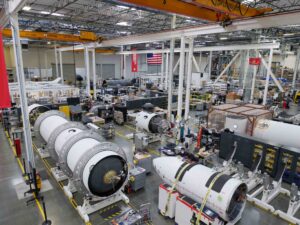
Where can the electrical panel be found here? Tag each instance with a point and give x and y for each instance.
(273, 156)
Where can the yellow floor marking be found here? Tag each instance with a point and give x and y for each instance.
(26, 178)
(130, 127)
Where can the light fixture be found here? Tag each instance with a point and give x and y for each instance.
(123, 6)
(56, 14)
(26, 8)
(223, 38)
(49, 43)
(288, 34)
(44, 12)
(123, 23)
(133, 9)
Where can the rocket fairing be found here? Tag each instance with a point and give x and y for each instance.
(227, 196)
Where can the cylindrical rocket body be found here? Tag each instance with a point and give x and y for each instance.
(272, 131)
(227, 196)
(100, 166)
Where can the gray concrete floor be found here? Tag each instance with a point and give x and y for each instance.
(61, 212)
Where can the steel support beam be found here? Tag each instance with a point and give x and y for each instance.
(189, 79)
(22, 89)
(125, 66)
(87, 71)
(196, 64)
(61, 67)
(271, 73)
(167, 71)
(208, 49)
(122, 63)
(269, 70)
(228, 66)
(11, 7)
(181, 78)
(296, 69)
(176, 65)
(56, 61)
(94, 73)
(162, 69)
(246, 69)
(253, 84)
(209, 64)
(170, 81)
(200, 61)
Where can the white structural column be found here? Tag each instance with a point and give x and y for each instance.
(296, 69)
(196, 64)
(121, 63)
(162, 69)
(124, 67)
(200, 61)
(228, 66)
(271, 73)
(170, 82)
(87, 70)
(61, 67)
(246, 69)
(166, 71)
(181, 78)
(94, 73)
(176, 65)
(56, 61)
(22, 88)
(189, 78)
(268, 77)
(209, 64)
(253, 83)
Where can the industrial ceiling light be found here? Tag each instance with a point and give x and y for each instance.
(56, 14)
(123, 23)
(288, 34)
(26, 8)
(189, 21)
(123, 6)
(45, 12)
(223, 38)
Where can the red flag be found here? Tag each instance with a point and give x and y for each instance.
(4, 90)
(254, 61)
(134, 63)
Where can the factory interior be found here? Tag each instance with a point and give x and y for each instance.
(149, 112)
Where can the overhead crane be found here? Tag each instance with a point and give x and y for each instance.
(83, 37)
(210, 10)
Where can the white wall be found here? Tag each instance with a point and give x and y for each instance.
(43, 58)
(288, 61)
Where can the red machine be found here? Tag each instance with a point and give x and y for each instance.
(17, 143)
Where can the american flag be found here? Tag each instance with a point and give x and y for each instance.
(154, 59)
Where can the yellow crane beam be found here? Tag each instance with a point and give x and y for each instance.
(211, 10)
(100, 50)
(37, 35)
(229, 7)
